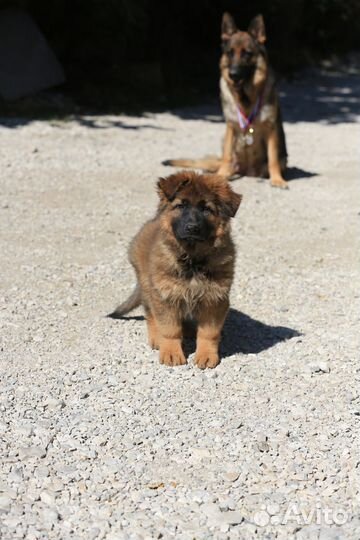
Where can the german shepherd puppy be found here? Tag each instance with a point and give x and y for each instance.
(184, 263)
(254, 143)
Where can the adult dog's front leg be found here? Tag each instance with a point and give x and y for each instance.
(276, 178)
(210, 323)
(226, 168)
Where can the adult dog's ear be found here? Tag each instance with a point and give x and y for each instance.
(257, 29)
(228, 27)
(170, 186)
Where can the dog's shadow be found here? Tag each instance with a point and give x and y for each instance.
(241, 334)
(295, 173)
(291, 173)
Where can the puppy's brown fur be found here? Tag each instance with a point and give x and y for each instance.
(184, 262)
(247, 81)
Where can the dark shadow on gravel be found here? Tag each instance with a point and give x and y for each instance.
(109, 123)
(86, 121)
(211, 112)
(126, 317)
(291, 173)
(295, 173)
(326, 97)
(242, 334)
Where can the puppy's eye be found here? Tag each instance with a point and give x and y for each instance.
(207, 210)
(179, 206)
(246, 54)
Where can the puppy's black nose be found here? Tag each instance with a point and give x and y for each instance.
(192, 228)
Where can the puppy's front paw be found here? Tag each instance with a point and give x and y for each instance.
(154, 342)
(206, 359)
(172, 356)
(154, 338)
(153, 333)
(279, 182)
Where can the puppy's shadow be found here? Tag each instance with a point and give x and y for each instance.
(126, 317)
(242, 334)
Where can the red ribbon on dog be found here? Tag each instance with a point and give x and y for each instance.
(245, 121)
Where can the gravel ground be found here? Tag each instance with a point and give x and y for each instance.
(98, 440)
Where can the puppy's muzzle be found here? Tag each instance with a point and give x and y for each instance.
(192, 229)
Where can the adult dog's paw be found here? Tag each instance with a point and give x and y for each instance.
(279, 182)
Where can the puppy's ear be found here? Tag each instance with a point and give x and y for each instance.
(228, 27)
(257, 29)
(230, 204)
(170, 186)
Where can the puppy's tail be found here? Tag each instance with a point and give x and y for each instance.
(210, 164)
(131, 303)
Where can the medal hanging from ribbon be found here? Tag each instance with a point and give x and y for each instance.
(246, 121)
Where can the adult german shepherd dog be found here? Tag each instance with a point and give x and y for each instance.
(254, 143)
